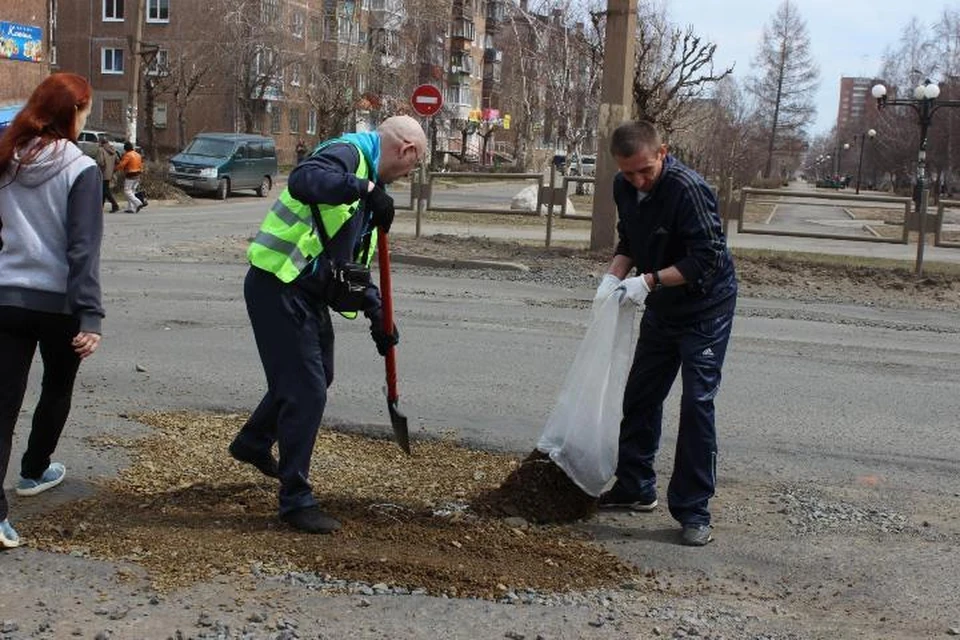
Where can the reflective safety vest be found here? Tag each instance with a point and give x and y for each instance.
(287, 241)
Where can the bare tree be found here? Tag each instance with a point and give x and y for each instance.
(674, 68)
(786, 80)
(251, 45)
(187, 75)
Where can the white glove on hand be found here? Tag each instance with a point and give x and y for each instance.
(633, 289)
(608, 284)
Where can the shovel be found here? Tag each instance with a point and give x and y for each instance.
(397, 419)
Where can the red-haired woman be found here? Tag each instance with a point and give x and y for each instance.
(51, 225)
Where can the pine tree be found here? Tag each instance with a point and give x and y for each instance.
(786, 79)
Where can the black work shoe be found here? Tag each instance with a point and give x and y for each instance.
(311, 520)
(618, 498)
(262, 460)
(695, 535)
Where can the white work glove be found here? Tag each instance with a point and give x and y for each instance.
(634, 290)
(608, 284)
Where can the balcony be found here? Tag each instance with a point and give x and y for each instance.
(495, 12)
(492, 55)
(463, 30)
(462, 63)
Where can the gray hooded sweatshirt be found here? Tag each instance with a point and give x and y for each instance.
(52, 226)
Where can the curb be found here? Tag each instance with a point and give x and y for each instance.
(447, 263)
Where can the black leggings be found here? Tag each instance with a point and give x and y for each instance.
(21, 330)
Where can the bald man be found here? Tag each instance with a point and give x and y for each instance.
(312, 254)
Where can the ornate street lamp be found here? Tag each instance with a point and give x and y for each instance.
(925, 104)
(869, 133)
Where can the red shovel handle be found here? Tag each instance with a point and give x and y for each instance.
(386, 297)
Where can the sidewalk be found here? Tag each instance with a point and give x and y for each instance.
(406, 225)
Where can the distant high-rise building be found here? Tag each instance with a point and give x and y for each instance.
(857, 108)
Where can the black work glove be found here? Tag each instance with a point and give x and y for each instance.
(381, 338)
(381, 206)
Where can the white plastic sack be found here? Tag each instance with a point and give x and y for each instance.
(582, 434)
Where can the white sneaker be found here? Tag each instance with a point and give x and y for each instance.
(8, 535)
(50, 478)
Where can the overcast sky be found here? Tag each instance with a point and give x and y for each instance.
(847, 37)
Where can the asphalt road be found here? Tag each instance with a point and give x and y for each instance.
(815, 396)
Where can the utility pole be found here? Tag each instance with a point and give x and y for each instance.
(134, 47)
(616, 107)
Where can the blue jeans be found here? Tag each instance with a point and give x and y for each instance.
(295, 342)
(696, 350)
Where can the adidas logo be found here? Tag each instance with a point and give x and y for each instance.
(707, 353)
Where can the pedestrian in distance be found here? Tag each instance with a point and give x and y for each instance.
(670, 232)
(311, 255)
(51, 226)
(131, 164)
(107, 162)
(301, 150)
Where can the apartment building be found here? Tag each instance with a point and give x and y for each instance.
(291, 69)
(25, 52)
(857, 108)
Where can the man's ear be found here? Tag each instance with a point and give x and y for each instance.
(664, 149)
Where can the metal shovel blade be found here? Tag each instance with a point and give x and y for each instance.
(399, 422)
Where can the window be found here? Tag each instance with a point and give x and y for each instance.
(158, 10)
(160, 115)
(330, 23)
(293, 119)
(312, 122)
(113, 10)
(160, 65)
(296, 73)
(296, 24)
(459, 94)
(316, 28)
(269, 11)
(275, 119)
(111, 61)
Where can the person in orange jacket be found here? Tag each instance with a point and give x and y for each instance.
(132, 166)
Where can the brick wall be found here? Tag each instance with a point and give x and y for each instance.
(18, 78)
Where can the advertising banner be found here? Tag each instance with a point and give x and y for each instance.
(21, 42)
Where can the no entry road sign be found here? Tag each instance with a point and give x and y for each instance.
(426, 100)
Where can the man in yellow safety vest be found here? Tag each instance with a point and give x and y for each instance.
(312, 254)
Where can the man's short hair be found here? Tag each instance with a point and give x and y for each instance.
(631, 137)
(128, 146)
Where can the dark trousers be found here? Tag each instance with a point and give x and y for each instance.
(108, 196)
(697, 350)
(21, 330)
(295, 342)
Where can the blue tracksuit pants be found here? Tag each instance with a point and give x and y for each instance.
(295, 342)
(697, 351)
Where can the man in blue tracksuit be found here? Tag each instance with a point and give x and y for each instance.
(311, 255)
(670, 231)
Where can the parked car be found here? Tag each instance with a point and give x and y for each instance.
(585, 166)
(89, 141)
(221, 163)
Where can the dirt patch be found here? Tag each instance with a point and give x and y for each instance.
(187, 512)
(539, 491)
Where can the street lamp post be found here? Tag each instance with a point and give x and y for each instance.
(925, 104)
(870, 133)
(841, 147)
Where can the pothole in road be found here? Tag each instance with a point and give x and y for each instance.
(187, 512)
